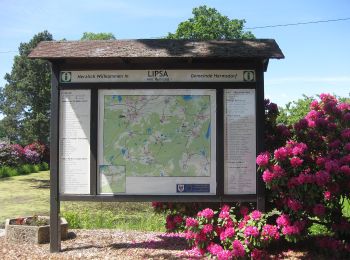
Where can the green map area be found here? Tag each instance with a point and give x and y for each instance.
(158, 135)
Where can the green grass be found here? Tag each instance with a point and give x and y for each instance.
(119, 215)
(26, 195)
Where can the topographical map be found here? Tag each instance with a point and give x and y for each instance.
(155, 136)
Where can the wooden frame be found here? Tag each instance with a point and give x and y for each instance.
(57, 66)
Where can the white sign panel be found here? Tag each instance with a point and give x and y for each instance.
(157, 76)
(74, 142)
(240, 141)
(157, 142)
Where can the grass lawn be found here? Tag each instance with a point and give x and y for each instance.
(26, 195)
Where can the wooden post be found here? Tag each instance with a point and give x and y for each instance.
(55, 227)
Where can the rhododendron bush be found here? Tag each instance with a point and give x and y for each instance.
(229, 233)
(15, 154)
(309, 177)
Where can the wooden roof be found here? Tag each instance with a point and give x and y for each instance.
(158, 48)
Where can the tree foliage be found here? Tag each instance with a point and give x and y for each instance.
(25, 98)
(208, 24)
(88, 36)
(293, 111)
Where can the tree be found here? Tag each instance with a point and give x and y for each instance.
(293, 111)
(25, 98)
(208, 24)
(88, 36)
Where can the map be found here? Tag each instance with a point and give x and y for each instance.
(152, 135)
(112, 179)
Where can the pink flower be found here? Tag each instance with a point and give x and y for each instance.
(263, 159)
(207, 228)
(280, 154)
(346, 133)
(314, 105)
(256, 214)
(322, 178)
(214, 249)
(327, 195)
(191, 222)
(347, 147)
(283, 220)
(251, 231)
(244, 210)
(206, 213)
(346, 117)
(224, 214)
(319, 210)
(345, 169)
(294, 204)
(270, 231)
(332, 166)
(170, 225)
(225, 208)
(278, 171)
(258, 254)
(343, 106)
(238, 249)
(228, 233)
(296, 161)
(178, 219)
(299, 149)
(268, 176)
(290, 230)
(224, 255)
(320, 161)
(189, 234)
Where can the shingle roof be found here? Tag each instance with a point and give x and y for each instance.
(153, 48)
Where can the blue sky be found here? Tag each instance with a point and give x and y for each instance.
(317, 55)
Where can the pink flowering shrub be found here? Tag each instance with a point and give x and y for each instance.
(229, 233)
(11, 154)
(14, 155)
(309, 176)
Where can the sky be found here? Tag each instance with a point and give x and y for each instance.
(317, 56)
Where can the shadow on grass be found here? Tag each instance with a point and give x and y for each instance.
(38, 183)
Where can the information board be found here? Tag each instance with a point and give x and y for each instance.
(157, 142)
(74, 142)
(240, 141)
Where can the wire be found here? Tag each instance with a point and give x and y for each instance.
(301, 23)
(7, 51)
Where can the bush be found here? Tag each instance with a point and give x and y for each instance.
(11, 155)
(44, 166)
(39, 152)
(231, 233)
(309, 176)
(6, 171)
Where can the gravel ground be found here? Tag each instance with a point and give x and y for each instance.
(104, 244)
(115, 244)
(2, 232)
